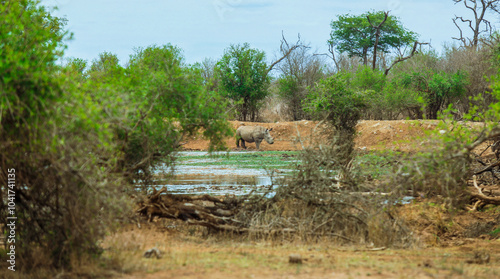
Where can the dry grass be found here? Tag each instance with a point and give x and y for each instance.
(81, 267)
(190, 253)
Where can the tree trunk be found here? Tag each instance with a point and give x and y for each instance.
(365, 56)
(377, 36)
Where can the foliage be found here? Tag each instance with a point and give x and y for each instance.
(385, 98)
(23, 95)
(243, 76)
(479, 64)
(443, 168)
(435, 172)
(436, 88)
(207, 69)
(366, 78)
(335, 99)
(292, 92)
(354, 35)
(52, 136)
(164, 101)
(76, 134)
(325, 196)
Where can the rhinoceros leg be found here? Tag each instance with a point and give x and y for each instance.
(243, 144)
(257, 143)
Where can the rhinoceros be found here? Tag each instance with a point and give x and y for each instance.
(253, 134)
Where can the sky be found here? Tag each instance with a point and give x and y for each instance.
(205, 28)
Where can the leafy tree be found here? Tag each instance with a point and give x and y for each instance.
(207, 68)
(335, 101)
(74, 135)
(104, 67)
(374, 85)
(292, 92)
(364, 34)
(244, 77)
(170, 103)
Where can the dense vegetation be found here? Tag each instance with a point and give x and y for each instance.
(81, 136)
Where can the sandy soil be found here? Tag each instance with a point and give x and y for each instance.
(397, 135)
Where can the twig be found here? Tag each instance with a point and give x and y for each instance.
(487, 168)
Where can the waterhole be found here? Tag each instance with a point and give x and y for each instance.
(234, 173)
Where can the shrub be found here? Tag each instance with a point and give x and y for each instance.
(55, 138)
(437, 89)
(325, 195)
(334, 99)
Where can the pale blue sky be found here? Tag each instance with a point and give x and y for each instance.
(204, 28)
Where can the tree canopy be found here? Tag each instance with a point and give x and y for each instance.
(243, 75)
(356, 35)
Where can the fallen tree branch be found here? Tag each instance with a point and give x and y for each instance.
(482, 197)
(487, 168)
(222, 215)
(164, 205)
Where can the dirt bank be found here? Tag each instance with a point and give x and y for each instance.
(397, 135)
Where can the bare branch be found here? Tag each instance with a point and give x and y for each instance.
(479, 10)
(482, 197)
(461, 38)
(287, 49)
(332, 56)
(413, 51)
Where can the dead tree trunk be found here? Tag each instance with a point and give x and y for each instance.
(479, 9)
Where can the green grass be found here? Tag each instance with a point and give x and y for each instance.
(495, 232)
(374, 163)
(254, 160)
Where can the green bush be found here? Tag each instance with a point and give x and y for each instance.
(438, 89)
(367, 79)
(54, 136)
(335, 100)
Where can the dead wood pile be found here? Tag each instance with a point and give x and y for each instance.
(203, 210)
(480, 196)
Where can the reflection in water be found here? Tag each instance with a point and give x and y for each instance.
(217, 180)
(214, 184)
